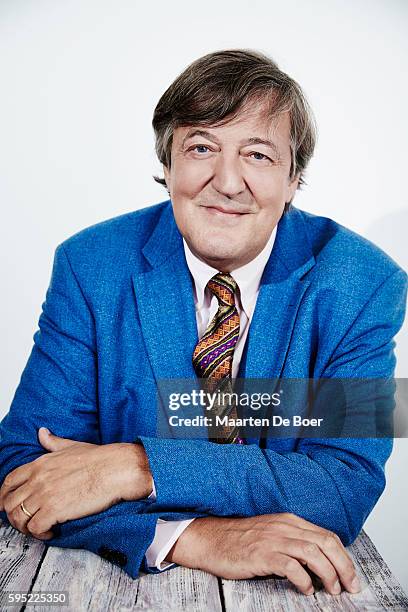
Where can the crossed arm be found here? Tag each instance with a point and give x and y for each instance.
(79, 479)
(82, 503)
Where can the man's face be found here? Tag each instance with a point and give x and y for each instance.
(229, 185)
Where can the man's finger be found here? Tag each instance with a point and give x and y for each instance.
(13, 480)
(40, 525)
(332, 548)
(290, 568)
(47, 535)
(311, 555)
(19, 517)
(53, 443)
(336, 553)
(15, 497)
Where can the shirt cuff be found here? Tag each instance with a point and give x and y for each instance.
(166, 535)
(153, 495)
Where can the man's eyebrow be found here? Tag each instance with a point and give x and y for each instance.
(203, 133)
(262, 141)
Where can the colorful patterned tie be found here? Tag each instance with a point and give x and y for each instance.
(212, 357)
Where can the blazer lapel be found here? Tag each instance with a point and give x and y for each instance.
(280, 294)
(281, 290)
(165, 301)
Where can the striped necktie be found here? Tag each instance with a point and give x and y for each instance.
(212, 357)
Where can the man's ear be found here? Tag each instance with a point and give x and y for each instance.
(291, 188)
(166, 173)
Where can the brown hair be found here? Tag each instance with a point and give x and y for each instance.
(212, 91)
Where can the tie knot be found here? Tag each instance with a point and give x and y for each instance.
(223, 286)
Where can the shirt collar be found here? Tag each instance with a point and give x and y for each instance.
(247, 277)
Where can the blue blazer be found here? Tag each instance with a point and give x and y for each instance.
(119, 315)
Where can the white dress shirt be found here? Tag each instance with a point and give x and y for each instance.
(248, 279)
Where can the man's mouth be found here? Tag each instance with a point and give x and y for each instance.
(225, 211)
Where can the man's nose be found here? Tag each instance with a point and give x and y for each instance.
(228, 178)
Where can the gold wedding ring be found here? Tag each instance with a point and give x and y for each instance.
(26, 512)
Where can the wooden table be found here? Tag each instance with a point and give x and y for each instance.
(94, 584)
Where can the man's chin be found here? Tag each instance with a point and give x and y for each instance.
(220, 259)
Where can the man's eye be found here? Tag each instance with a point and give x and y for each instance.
(260, 156)
(200, 148)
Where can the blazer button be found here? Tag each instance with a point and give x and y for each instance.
(114, 556)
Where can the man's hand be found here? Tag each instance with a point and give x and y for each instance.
(278, 544)
(73, 480)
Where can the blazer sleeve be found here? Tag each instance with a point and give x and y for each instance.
(58, 389)
(334, 483)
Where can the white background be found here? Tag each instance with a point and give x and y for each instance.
(79, 81)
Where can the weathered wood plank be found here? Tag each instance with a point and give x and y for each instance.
(94, 584)
(381, 591)
(19, 559)
(265, 595)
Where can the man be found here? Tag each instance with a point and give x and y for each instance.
(146, 296)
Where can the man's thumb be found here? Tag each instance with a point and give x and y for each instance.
(51, 442)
